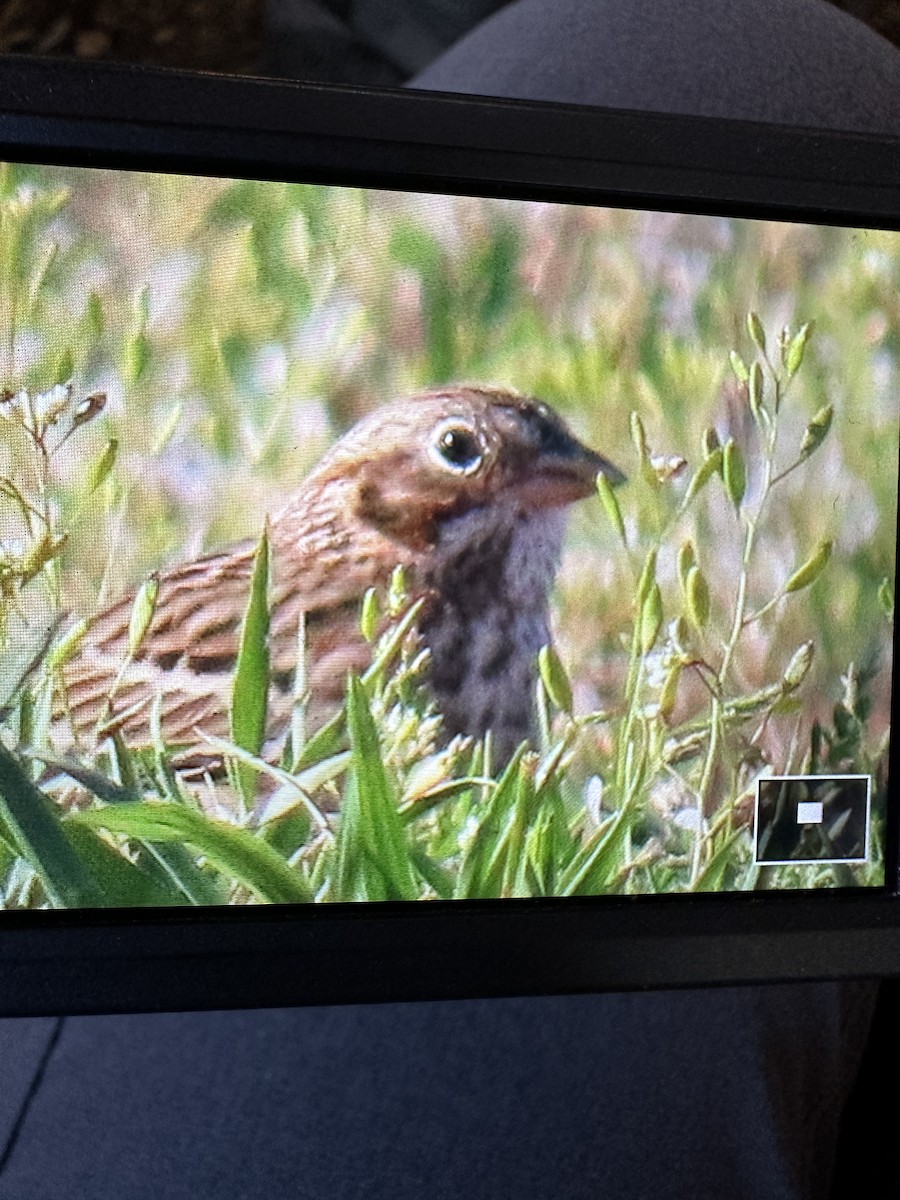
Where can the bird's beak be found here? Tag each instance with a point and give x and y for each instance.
(566, 473)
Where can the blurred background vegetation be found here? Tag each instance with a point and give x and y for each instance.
(237, 328)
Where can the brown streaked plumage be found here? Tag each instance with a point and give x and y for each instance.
(464, 486)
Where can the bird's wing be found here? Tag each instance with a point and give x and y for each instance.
(184, 666)
(185, 659)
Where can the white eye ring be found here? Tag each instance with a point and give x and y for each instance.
(455, 446)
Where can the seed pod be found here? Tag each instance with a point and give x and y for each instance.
(798, 667)
(709, 467)
(397, 594)
(638, 435)
(647, 579)
(67, 647)
(739, 367)
(651, 619)
(64, 368)
(99, 472)
(666, 467)
(810, 571)
(142, 308)
(797, 348)
(687, 558)
(816, 431)
(89, 408)
(755, 394)
(784, 341)
(41, 552)
(137, 358)
(757, 333)
(611, 505)
(167, 429)
(734, 473)
(710, 442)
(555, 680)
(886, 598)
(369, 614)
(93, 316)
(680, 637)
(142, 611)
(697, 594)
(669, 692)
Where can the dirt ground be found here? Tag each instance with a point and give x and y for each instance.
(211, 35)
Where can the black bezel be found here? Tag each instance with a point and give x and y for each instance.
(137, 959)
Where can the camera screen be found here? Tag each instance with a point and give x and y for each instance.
(363, 545)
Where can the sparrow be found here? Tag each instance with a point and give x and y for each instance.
(465, 487)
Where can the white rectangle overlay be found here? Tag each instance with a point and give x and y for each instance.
(809, 812)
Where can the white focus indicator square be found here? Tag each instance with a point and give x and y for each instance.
(809, 812)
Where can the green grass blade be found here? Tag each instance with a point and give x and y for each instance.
(42, 841)
(234, 852)
(249, 700)
(125, 884)
(374, 860)
(481, 870)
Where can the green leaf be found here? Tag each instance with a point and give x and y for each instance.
(250, 690)
(41, 840)
(712, 877)
(555, 680)
(299, 785)
(125, 884)
(610, 504)
(236, 853)
(374, 860)
(484, 859)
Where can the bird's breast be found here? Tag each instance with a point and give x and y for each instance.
(489, 580)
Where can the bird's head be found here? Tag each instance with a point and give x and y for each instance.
(415, 464)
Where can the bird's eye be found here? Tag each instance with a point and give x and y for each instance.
(458, 448)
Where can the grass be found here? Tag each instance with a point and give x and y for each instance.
(170, 343)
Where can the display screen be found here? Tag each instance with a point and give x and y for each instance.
(360, 545)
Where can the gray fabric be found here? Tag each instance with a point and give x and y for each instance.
(23, 1045)
(795, 62)
(696, 1094)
